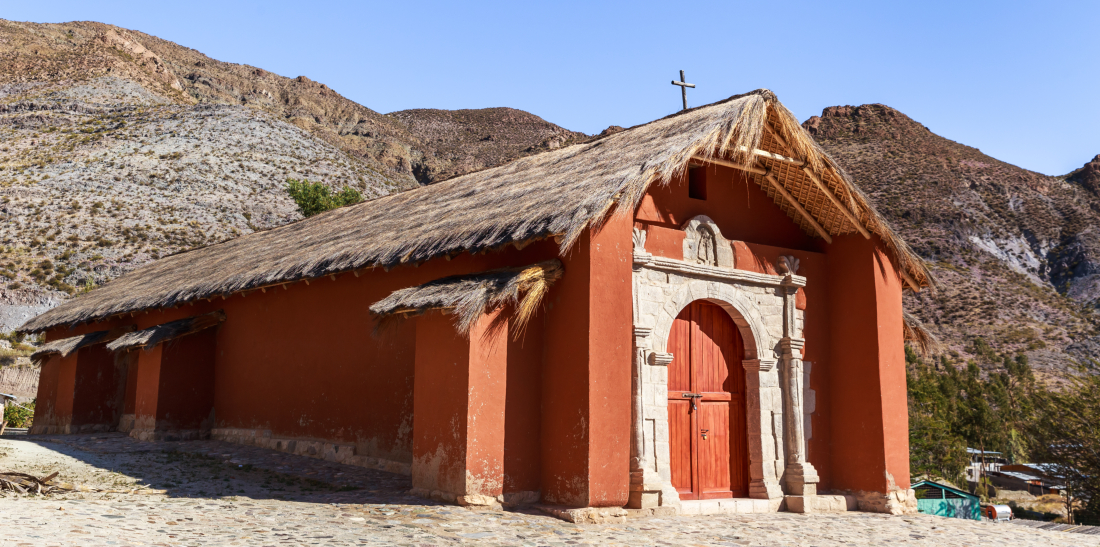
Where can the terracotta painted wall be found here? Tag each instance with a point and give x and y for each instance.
(186, 382)
(610, 361)
(147, 390)
(66, 388)
(305, 362)
(739, 207)
(100, 387)
(440, 407)
(130, 397)
(867, 380)
(523, 408)
(45, 407)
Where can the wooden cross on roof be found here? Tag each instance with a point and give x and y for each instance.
(683, 88)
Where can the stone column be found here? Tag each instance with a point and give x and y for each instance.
(764, 429)
(643, 490)
(800, 476)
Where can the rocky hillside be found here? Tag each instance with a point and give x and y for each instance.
(461, 141)
(1016, 253)
(117, 147)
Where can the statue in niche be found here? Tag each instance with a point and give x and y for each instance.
(705, 249)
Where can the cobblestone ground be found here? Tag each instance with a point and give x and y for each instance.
(213, 493)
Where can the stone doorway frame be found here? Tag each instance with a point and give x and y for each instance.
(763, 308)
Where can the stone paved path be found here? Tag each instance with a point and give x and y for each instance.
(211, 493)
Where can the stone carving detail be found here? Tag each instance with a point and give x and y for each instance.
(660, 359)
(705, 251)
(639, 240)
(704, 244)
(787, 265)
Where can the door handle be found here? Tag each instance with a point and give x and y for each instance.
(693, 397)
(704, 432)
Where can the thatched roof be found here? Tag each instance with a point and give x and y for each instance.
(66, 346)
(150, 337)
(559, 193)
(469, 296)
(914, 331)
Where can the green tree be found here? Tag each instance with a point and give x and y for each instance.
(936, 448)
(1067, 436)
(314, 197)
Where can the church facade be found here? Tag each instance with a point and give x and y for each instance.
(699, 314)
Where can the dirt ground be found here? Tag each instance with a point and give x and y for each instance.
(213, 493)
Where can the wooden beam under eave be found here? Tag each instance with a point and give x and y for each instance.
(817, 182)
(909, 279)
(836, 201)
(730, 164)
(798, 207)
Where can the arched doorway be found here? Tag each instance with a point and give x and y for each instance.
(706, 405)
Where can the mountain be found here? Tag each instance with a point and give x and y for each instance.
(117, 147)
(1016, 253)
(461, 141)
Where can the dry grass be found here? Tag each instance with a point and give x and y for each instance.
(152, 336)
(560, 193)
(471, 296)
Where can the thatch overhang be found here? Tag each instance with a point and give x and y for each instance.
(557, 194)
(150, 337)
(914, 331)
(470, 296)
(67, 346)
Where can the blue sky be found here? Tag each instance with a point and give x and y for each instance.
(1018, 80)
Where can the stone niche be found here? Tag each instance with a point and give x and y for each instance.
(763, 308)
(704, 244)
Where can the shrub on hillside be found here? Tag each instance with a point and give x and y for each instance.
(19, 415)
(314, 197)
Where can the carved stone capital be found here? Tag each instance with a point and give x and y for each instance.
(792, 347)
(660, 359)
(759, 365)
(642, 332)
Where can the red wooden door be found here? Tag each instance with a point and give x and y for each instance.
(706, 405)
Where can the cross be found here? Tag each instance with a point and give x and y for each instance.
(683, 88)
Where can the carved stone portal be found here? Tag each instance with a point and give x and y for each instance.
(704, 244)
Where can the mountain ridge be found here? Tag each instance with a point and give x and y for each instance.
(1015, 251)
(118, 147)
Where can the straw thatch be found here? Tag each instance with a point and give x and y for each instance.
(66, 346)
(150, 337)
(472, 295)
(914, 331)
(559, 193)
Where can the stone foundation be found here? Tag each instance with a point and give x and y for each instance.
(896, 502)
(126, 423)
(514, 499)
(586, 515)
(334, 452)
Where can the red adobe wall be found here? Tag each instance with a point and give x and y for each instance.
(186, 382)
(459, 409)
(45, 408)
(304, 362)
(523, 407)
(586, 374)
(868, 397)
(102, 382)
(147, 388)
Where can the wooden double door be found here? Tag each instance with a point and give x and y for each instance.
(706, 405)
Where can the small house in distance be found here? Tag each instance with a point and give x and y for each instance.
(941, 500)
(698, 314)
